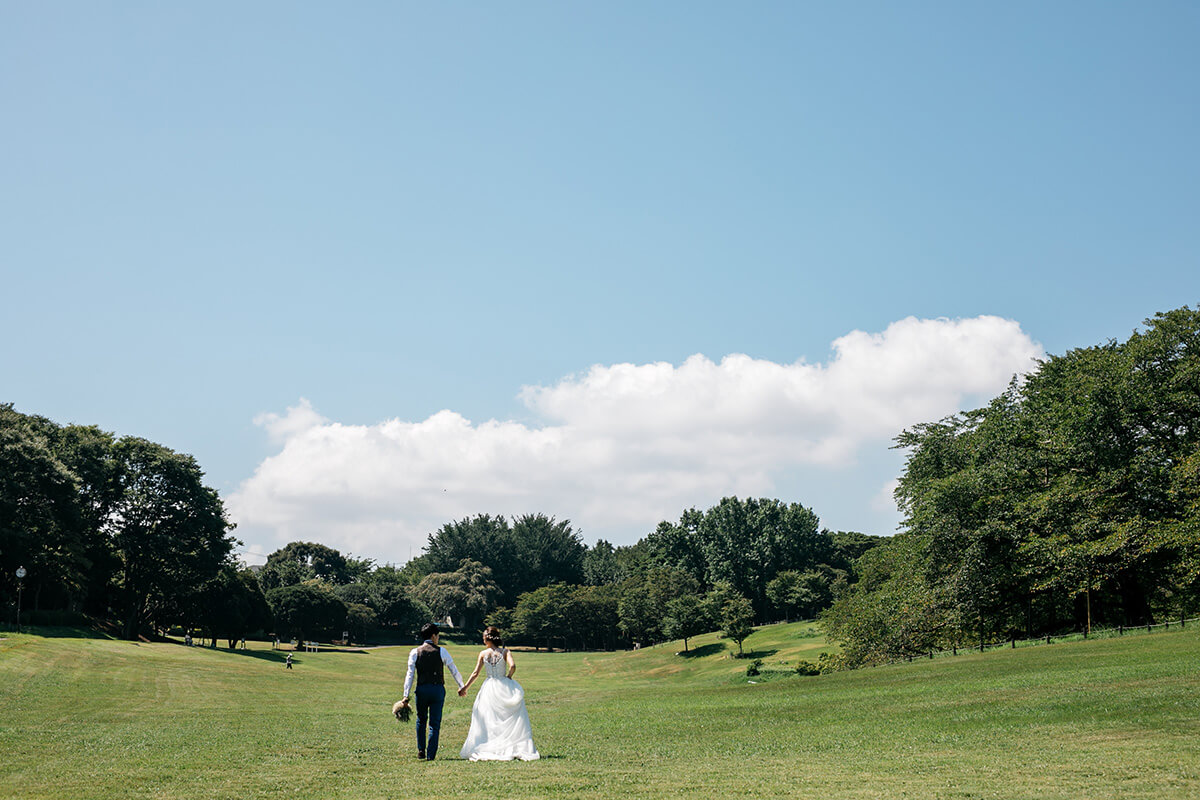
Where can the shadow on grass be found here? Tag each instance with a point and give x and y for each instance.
(279, 656)
(63, 632)
(703, 650)
(758, 653)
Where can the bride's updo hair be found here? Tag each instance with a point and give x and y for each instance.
(491, 635)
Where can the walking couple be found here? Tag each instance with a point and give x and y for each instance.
(500, 728)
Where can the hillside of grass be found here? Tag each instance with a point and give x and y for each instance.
(100, 718)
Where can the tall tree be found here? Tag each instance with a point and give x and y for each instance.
(686, 616)
(40, 514)
(737, 620)
(1068, 500)
(548, 550)
(297, 562)
(602, 566)
(484, 538)
(466, 595)
(167, 529)
(307, 611)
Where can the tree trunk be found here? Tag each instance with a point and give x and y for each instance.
(133, 618)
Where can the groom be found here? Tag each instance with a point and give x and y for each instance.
(427, 662)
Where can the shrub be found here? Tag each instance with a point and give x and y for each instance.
(807, 668)
(752, 667)
(831, 662)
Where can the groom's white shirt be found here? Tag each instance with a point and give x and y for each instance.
(412, 666)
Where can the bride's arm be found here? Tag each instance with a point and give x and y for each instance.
(475, 674)
(512, 665)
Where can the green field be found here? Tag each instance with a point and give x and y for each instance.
(98, 718)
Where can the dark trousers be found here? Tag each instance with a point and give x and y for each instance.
(430, 699)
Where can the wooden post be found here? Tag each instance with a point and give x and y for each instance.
(1089, 608)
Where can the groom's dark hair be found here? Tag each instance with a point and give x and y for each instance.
(429, 630)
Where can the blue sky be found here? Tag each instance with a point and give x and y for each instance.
(212, 214)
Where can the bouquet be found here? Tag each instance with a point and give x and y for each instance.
(402, 710)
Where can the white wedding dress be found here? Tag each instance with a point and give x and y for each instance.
(500, 728)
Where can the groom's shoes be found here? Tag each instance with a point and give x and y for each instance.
(420, 755)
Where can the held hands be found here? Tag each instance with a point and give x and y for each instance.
(462, 692)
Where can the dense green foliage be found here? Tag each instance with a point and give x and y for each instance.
(307, 611)
(1071, 500)
(530, 552)
(112, 527)
(680, 579)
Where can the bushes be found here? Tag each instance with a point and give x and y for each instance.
(825, 663)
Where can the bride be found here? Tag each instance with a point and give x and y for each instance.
(499, 722)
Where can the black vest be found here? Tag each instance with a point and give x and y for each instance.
(429, 665)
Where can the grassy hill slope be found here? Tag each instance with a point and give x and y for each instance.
(98, 718)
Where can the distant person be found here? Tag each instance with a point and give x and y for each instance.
(500, 729)
(289, 661)
(427, 664)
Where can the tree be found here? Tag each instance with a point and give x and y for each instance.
(548, 551)
(535, 550)
(742, 542)
(1068, 500)
(543, 615)
(687, 616)
(167, 529)
(230, 606)
(784, 591)
(306, 611)
(594, 616)
(468, 593)
(297, 562)
(359, 620)
(737, 620)
(40, 515)
(483, 538)
(643, 601)
(601, 565)
(891, 612)
(849, 546)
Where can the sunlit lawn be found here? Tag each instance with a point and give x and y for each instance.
(96, 718)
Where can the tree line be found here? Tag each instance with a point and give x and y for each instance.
(725, 568)
(534, 577)
(123, 530)
(1069, 501)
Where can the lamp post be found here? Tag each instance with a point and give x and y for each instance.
(20, 586)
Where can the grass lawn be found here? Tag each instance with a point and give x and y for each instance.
(1115, 718)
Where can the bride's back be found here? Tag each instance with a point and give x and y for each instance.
(495, 663)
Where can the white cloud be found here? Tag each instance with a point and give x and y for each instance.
(297, 419)
(622, 446)
(885, 499)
